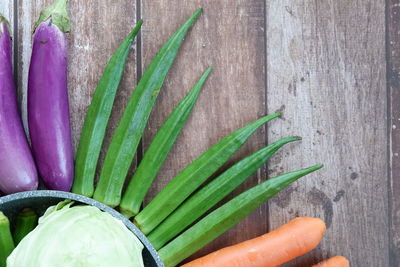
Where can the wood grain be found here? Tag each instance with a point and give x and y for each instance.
(7, 10)
(393, 79)
(97, 30)
(228, 36)
(326, 71)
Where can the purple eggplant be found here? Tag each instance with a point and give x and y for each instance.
(48, 110)
(17, 168)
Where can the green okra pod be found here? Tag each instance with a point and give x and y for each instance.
(225, 217)
(208, 196)
(6, 240)
(158, 151)
(25, 222)
(97, 116)
(130, 129)
(194, 175)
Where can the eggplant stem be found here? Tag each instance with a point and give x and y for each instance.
(58, 13)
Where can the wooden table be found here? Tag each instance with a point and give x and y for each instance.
(331, 66)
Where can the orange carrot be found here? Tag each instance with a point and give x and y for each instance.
(337, 261)
(285, 243)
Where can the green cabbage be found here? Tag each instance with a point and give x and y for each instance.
(78, 236)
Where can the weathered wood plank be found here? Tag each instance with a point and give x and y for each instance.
(326, 71)
(228, 36)
(97, 30)
(7, 10)
(393, 75)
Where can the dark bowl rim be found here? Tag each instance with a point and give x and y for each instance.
(87, 201)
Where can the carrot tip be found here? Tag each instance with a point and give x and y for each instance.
(337, 261)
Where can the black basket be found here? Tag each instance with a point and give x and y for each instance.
(40, 200)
